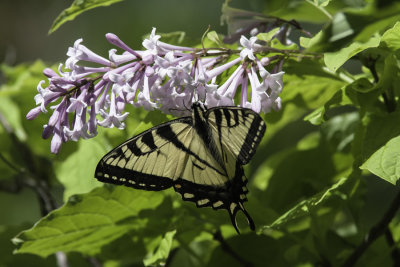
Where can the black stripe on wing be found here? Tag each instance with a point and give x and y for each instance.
(253, 138)
(229, 196)
(111, 168)
(121, 176)
(234, 118)
(167, 134)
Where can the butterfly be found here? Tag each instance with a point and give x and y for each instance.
(201, 156)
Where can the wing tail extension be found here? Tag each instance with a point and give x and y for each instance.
(233, 209)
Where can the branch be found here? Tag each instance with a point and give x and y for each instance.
(225, 247)
(376, 231)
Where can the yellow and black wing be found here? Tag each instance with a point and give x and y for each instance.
(169, 155)
(236, 130)
(201, 157)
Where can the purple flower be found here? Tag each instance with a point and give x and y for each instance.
(162, 76)
(249, 47)
(112, 118)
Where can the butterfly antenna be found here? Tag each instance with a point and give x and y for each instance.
(188, 109)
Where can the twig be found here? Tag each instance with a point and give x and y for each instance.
(225, 247)
(376, 231)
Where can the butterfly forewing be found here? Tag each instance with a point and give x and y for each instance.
(237, 130)
(147, 161)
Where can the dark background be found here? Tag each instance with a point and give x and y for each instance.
(25, 25)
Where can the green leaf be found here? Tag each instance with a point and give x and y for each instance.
(339, 130)
(78, 7)
(362, 85)
(321, 2)
(76, 173)
(319, 116)
(88, 222)
(377, 26)
(392, 37)
(304, 207)
(301, 11)
(161, 255)
(20, 89)
(341, 27)
(375, 131)
(308, 84)
(334, 60)
(12, 114)
(312, 42)
(390, 75)
(213, 36)
(385, 162)
(267, 36)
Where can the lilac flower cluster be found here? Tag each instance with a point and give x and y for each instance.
(162, 76)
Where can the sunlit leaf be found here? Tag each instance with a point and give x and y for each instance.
(309, 84)
(334, 60)
(304, 207)
(213, 36)
(318, 116)
(10, 111)
(76, 173)
(161, 255)
(341, 27)
(385, 162)
(321, 2)
(78, 7)
(392, 37)
(89, 221)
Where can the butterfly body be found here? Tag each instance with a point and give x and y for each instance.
(200, 156)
